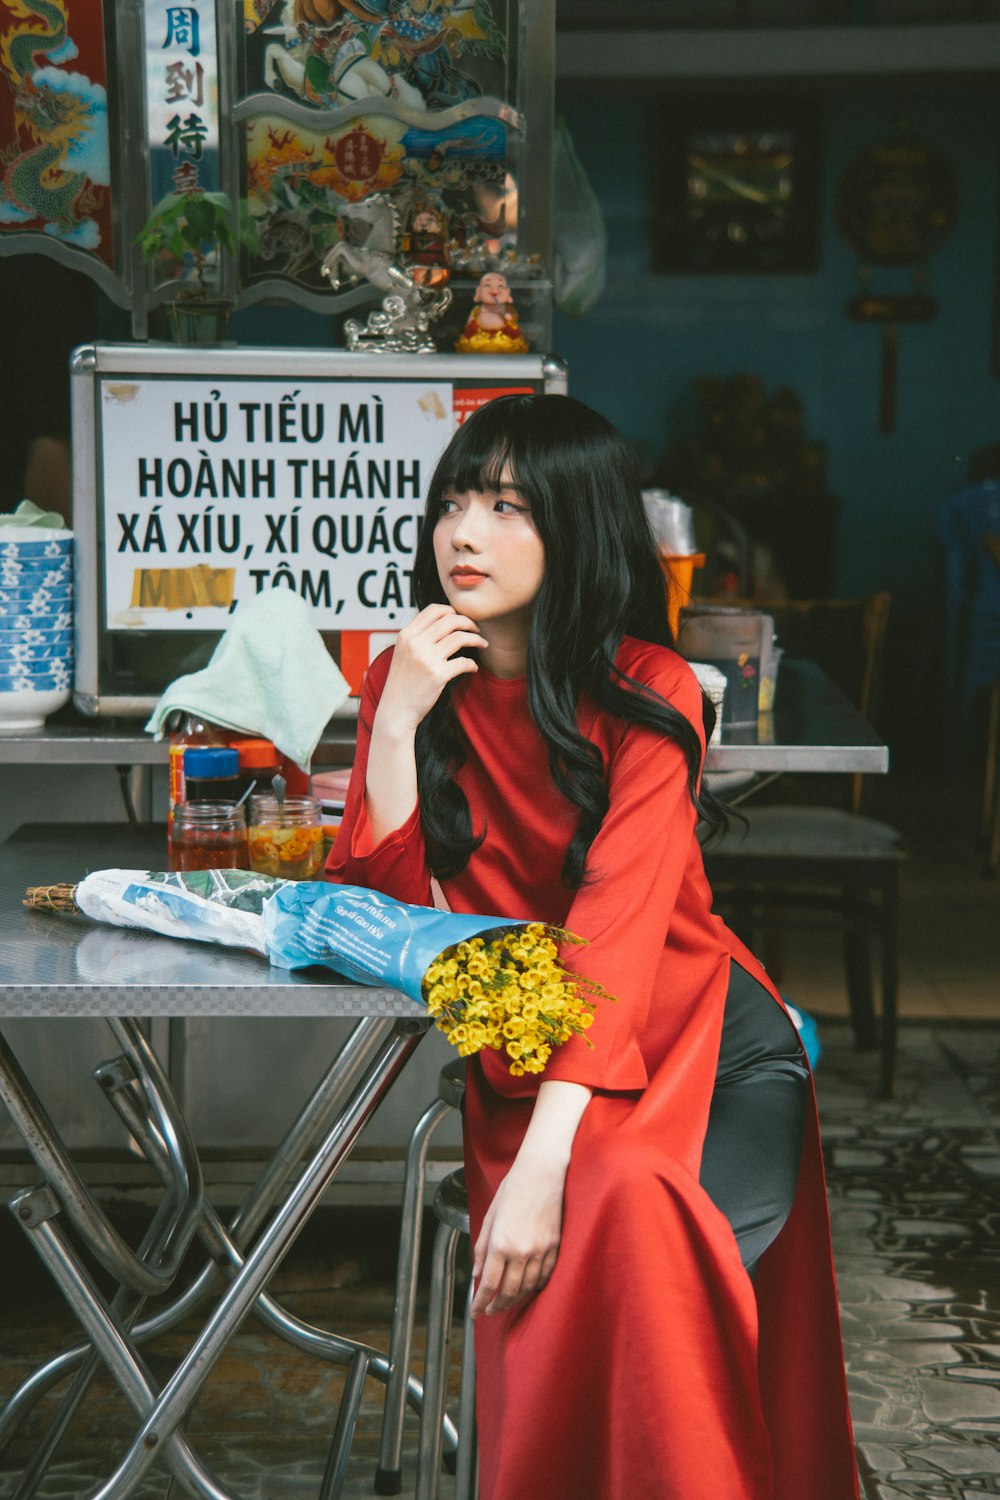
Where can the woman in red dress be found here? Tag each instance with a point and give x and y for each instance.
(656, 1310)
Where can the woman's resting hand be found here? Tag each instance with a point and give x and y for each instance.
(517, 1248)
(518, 1245)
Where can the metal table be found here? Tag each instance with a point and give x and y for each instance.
(44, 971)
(814, 727)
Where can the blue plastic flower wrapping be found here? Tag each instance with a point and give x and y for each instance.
(363, 935)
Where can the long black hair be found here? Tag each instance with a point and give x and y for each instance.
(602, 581)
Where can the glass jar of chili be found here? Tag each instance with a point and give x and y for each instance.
(209, 836)
(286, 839)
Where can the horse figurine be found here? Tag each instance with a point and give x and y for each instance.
(369, 251)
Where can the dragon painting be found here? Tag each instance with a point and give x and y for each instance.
(57, 160)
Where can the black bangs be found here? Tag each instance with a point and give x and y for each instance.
(479, 473)
(481, 449)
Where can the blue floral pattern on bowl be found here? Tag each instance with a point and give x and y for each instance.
(35, 685)
(50, 683)
(30, 636)
(15, 620)
(38, 574)
(56, 667)
(37, 600)
(57, 549)
(23, 652)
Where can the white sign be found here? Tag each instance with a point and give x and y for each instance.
(214, 490)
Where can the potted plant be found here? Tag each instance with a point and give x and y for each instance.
(192, 229)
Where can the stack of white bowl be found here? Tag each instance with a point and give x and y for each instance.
(36, 624)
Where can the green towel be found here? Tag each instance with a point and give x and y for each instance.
(270, 675)
(28, 514)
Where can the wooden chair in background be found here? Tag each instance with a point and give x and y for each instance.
(806, 858)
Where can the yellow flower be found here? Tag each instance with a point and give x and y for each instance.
(513, 993)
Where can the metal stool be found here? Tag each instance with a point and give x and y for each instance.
(451, 1206)
(451, 1091)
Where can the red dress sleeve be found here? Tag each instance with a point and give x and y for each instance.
(636, 867)
(397, 864)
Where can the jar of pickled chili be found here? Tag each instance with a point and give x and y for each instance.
(286, 839)
(208, 836)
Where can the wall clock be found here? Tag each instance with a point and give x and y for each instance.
(896, 202)
(736, 187)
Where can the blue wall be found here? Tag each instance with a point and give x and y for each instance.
(635, 354)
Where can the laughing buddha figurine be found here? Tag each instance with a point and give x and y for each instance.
(493, 324)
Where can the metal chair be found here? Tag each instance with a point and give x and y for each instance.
(818, 858)
(451, 1092)
(794, 858)
(452, 1209)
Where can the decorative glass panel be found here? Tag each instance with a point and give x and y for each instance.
(343, 100)
(55, 171)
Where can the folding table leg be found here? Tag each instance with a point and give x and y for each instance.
(43, 1141)
(343, 1436)
(172, 1403)
(220, 1245)
(168, 1408)
(402, 1387)
(125, 1308)
(156, 1246)
(326, 1101)
(109, 1341)
(316, 1342)
(34, 1474)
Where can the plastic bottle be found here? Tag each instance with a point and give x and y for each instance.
(259, 764)
(212, 774)
(191, 731)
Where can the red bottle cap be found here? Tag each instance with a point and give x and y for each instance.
(254, 753)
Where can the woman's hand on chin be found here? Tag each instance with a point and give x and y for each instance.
(519, 1242)
(425, 661)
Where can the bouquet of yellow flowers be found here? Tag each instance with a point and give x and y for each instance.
(487, 981)
(510, 992)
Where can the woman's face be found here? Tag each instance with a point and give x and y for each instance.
(489, 556)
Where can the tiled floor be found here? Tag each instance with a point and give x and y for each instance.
(916, 1214)
(915, 1202)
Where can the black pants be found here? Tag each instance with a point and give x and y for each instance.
(750, 1162)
